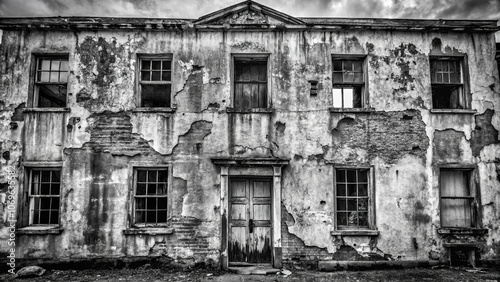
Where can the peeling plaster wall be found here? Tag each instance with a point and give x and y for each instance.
(101, 137)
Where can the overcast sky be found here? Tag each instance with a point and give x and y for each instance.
(192, 9)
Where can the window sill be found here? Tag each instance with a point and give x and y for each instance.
(354, 232)
(453, 111)
(50, 110)
(154, 110)
(39, 230)
(149, 231)
(250, 110)
(352, 110)
(461, 231)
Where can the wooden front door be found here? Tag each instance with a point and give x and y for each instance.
(250, 220)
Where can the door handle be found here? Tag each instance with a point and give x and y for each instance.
(251, 225)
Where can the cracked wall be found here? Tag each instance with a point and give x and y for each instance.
(102, 136)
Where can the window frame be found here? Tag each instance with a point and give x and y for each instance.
(132, 196)
(363, 85)
(257, 57)
(139, 82)
(24, 207)
(371, 229)
(33, 98)
(470, 170)
(464, 80)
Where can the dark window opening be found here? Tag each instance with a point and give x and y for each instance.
(457, 201)
(155, 82)
(51, 81)
(44, 195)
(447, 85)
(250, 83)
(348, 83)
(151, 196)
(352, 199)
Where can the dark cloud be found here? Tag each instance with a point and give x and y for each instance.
(418, 9)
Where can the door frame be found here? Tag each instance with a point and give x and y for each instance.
(261, 167)
(251, 179)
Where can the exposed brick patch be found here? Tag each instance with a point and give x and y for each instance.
(388, 135)
(189, 242)
(295, 252)
(112, 132)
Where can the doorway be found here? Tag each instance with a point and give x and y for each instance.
(250, 220)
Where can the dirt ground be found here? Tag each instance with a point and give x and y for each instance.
(150, 275)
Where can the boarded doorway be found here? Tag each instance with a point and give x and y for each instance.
(250, 221)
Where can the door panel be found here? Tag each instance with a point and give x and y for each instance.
(250, 220)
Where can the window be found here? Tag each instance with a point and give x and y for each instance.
(150, 196)
(155, 83)
(250, 82)
(457, 201)
(44, 195)
(353, 199)
(51, 81)
(447, 83)
(348, 82)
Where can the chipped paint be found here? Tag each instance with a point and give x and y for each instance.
(103, 136)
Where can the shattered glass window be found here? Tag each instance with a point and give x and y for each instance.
(352, 198)
(447, 85)
(348, 83)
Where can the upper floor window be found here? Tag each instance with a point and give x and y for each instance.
(348, 82)
(51, 81)
(155, 81)
(353, 199)
(250, 82)
(457, 198)
(44, 195)
(447, 83)
(150, 196)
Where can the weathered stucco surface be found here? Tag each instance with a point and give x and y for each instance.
(101, 137)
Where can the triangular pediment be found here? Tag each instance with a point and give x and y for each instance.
(248, 12)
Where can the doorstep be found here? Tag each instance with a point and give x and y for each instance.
(254, 270)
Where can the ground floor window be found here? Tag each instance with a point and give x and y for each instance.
(353, 199)
(150, 196)
(457, 198)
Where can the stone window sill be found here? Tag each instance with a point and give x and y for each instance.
(352, 110)
(354, 232)
(461, 231)
(39, 230)
(250, 110)
(453, 111)
(149, 231)
(48, 110)
(154, 110)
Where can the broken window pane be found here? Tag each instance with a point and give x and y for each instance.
(250, 83)
(446, 83)
(348, 83)
(151, 196)
(44, 197)
(352, 197)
